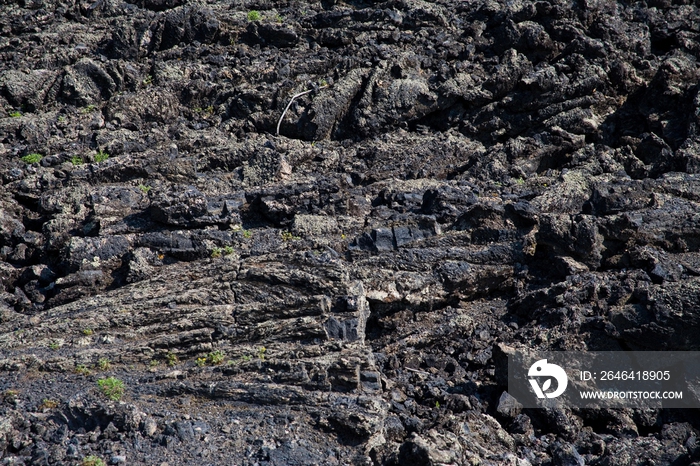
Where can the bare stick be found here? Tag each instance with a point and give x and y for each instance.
(417, 371)
(290, 104)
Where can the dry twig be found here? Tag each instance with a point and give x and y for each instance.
(290, 104)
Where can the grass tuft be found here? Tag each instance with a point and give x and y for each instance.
(32, 158)
(112, 388)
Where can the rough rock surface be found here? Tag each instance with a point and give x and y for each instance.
(465, 178)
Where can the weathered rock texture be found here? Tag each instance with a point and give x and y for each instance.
(466, 178)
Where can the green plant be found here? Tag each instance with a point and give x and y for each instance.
(148, 80)
(242, 359)
(287, 236)
(82, 369)
(93, 460)
(437, 404)
(10, 395)
(103, 364)
(207, 110)
(14, 114)
(261, 353)
(520, 181)
(279, 18)
(32, 158)
(247, 234)
(225, 251)
(201, 362)
(144, 188)
(216, 357)
(87, 332)
(61, 118)
(87, 109)
(101, 156)
(153, 363)
(76, 160)
(172, 359)
(254, 15)
(54, 345)
(48, 404)
(323, 83)
(112, 388)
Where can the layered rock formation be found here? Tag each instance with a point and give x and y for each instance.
(465, 178)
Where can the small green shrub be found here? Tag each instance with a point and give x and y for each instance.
(148, 80)
(76, 160)
(92, 460)
(61, 118)
(103, 364)
(82, 369)
(101, 156)
(172, 359)
(225, 251)
(54, 345)
(254, 15)
(205, 111)
(216, 357)
(87, 109)
(144, 188)
(87, 332)
(112, 388)
(261, 353)
(288, 236)
(32, 158)
(247, 234)
(14, 114)
(48, 404)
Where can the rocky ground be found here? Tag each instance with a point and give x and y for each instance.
(466, 178)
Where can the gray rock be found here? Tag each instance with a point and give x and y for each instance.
(508, 406)
(565, 454)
